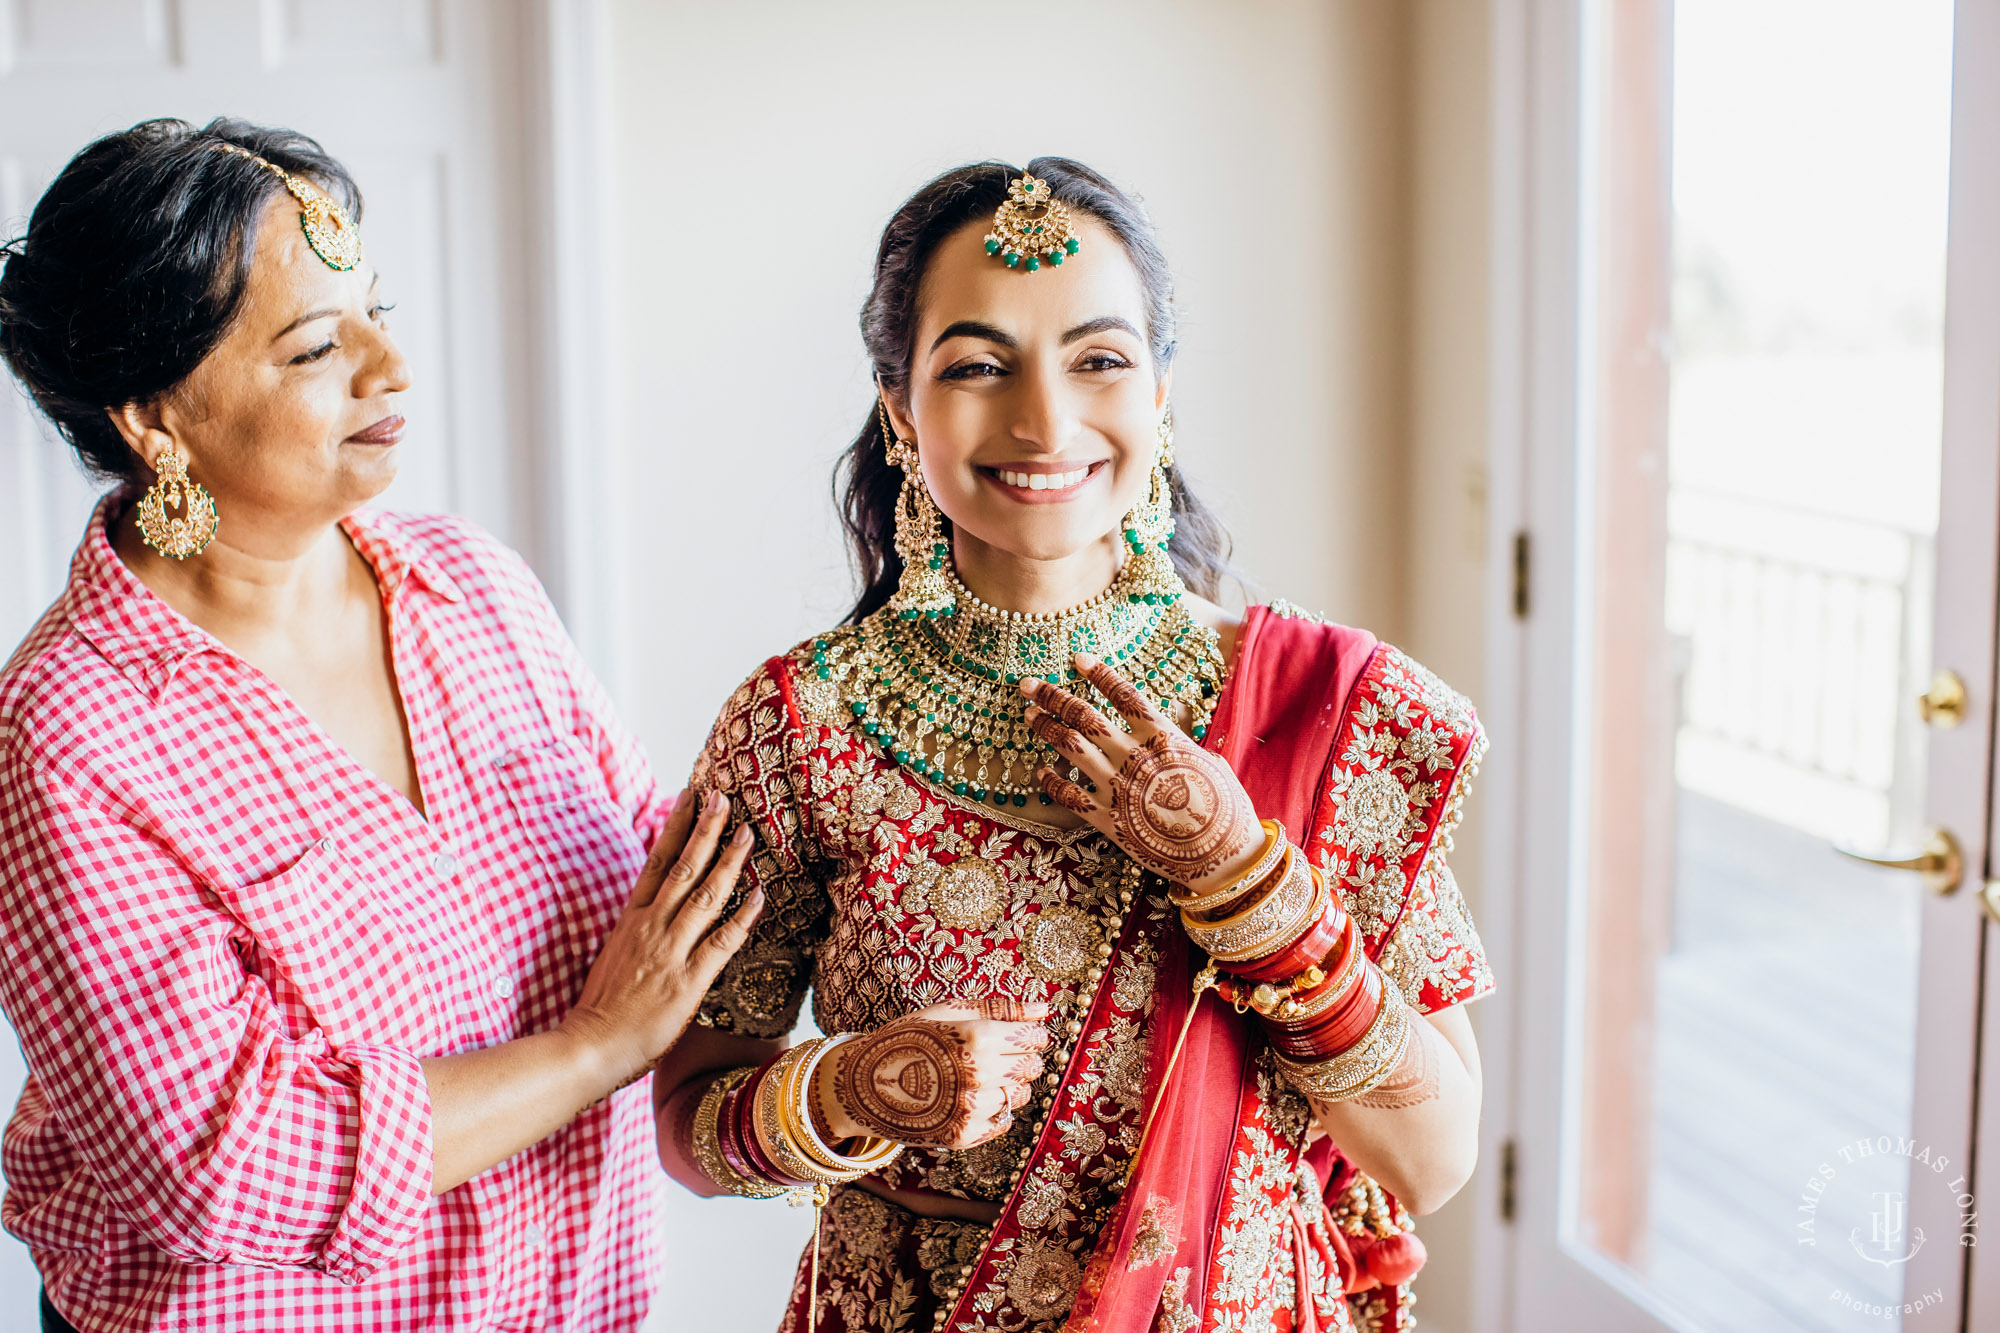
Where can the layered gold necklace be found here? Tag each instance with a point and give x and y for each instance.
(941, 695)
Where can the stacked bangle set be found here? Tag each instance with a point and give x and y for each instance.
(1294, 955)
(755, 1133)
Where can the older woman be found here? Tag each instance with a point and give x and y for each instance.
(331, 930)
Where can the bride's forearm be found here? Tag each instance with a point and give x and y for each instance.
(1417, 1132)
(684, 1074)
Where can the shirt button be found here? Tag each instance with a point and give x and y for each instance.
(536, 1234)
(445, 864)
(503, 986)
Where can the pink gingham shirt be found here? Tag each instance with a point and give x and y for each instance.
(228, 944)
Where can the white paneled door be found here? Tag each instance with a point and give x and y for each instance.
(422, 99)
(440, 108)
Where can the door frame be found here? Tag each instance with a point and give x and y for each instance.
(1544, 301)
(571, 533)
(1962, 775)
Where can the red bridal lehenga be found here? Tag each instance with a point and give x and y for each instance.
(887, 893)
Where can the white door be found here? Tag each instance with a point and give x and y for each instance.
(1752, 443)
(423, 100)
(420, 98)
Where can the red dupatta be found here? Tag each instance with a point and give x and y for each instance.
(1276, 725)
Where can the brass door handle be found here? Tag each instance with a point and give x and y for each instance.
(1940, 864)
(1943, 704)
(1989, 898)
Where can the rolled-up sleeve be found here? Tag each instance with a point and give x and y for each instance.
(221, 1123)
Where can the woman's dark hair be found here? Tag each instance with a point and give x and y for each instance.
(866, 484)
(134, 267)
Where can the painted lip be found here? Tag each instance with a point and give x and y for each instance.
(386, 431)
(1024, 495)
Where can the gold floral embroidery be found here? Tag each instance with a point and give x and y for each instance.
(1434, 954)
(1158, 1235)
(1043, 1281)
(970, 894)
(1372, 808)
(1175, 1314)
(1253, 1279)
(1060, 943)
(1293, 611)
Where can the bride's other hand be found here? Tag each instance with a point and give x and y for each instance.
(1171, 805)
(949, 1076)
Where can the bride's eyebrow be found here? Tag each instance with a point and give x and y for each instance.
(973, 328)
(1098, 325)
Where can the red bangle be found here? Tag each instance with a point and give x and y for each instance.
(1323, 1033)
(745, 1134)
(726, 1141)
(1339, 1028)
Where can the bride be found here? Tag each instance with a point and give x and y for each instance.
(1129, 918)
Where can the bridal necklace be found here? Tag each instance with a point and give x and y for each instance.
(940, 695)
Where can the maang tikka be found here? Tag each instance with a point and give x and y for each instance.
(1031, 227)
(1149, 574)
(332, 235)
(924, 591)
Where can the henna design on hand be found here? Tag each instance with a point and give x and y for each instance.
(1073, 712)
(1027, 1069)
(1120, 693)
(1065, 793)
(1413, 1082)
(1175, 814)
(1046, 725)
(911, 1081)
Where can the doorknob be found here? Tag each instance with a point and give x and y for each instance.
(1939, 863)
(1943, 704)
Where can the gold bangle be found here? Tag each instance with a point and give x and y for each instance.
(871, 1153)
(1364, 1064)
(1274, 848)
(1273, 921)
(791, 1144)
(769, 1122)
(708, 1141)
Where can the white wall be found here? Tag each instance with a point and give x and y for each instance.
(759, 151)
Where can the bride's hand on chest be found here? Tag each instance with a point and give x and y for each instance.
(1169, 804)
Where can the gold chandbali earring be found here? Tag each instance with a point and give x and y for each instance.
(924, 592)
(1149, 574)
(177, 538)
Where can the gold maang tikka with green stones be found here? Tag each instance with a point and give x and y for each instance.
(933, 677)
(333, 235)
(1031, 227)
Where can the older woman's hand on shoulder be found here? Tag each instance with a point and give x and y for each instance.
(671, 942)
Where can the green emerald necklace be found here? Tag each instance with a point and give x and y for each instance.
(940, 694)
